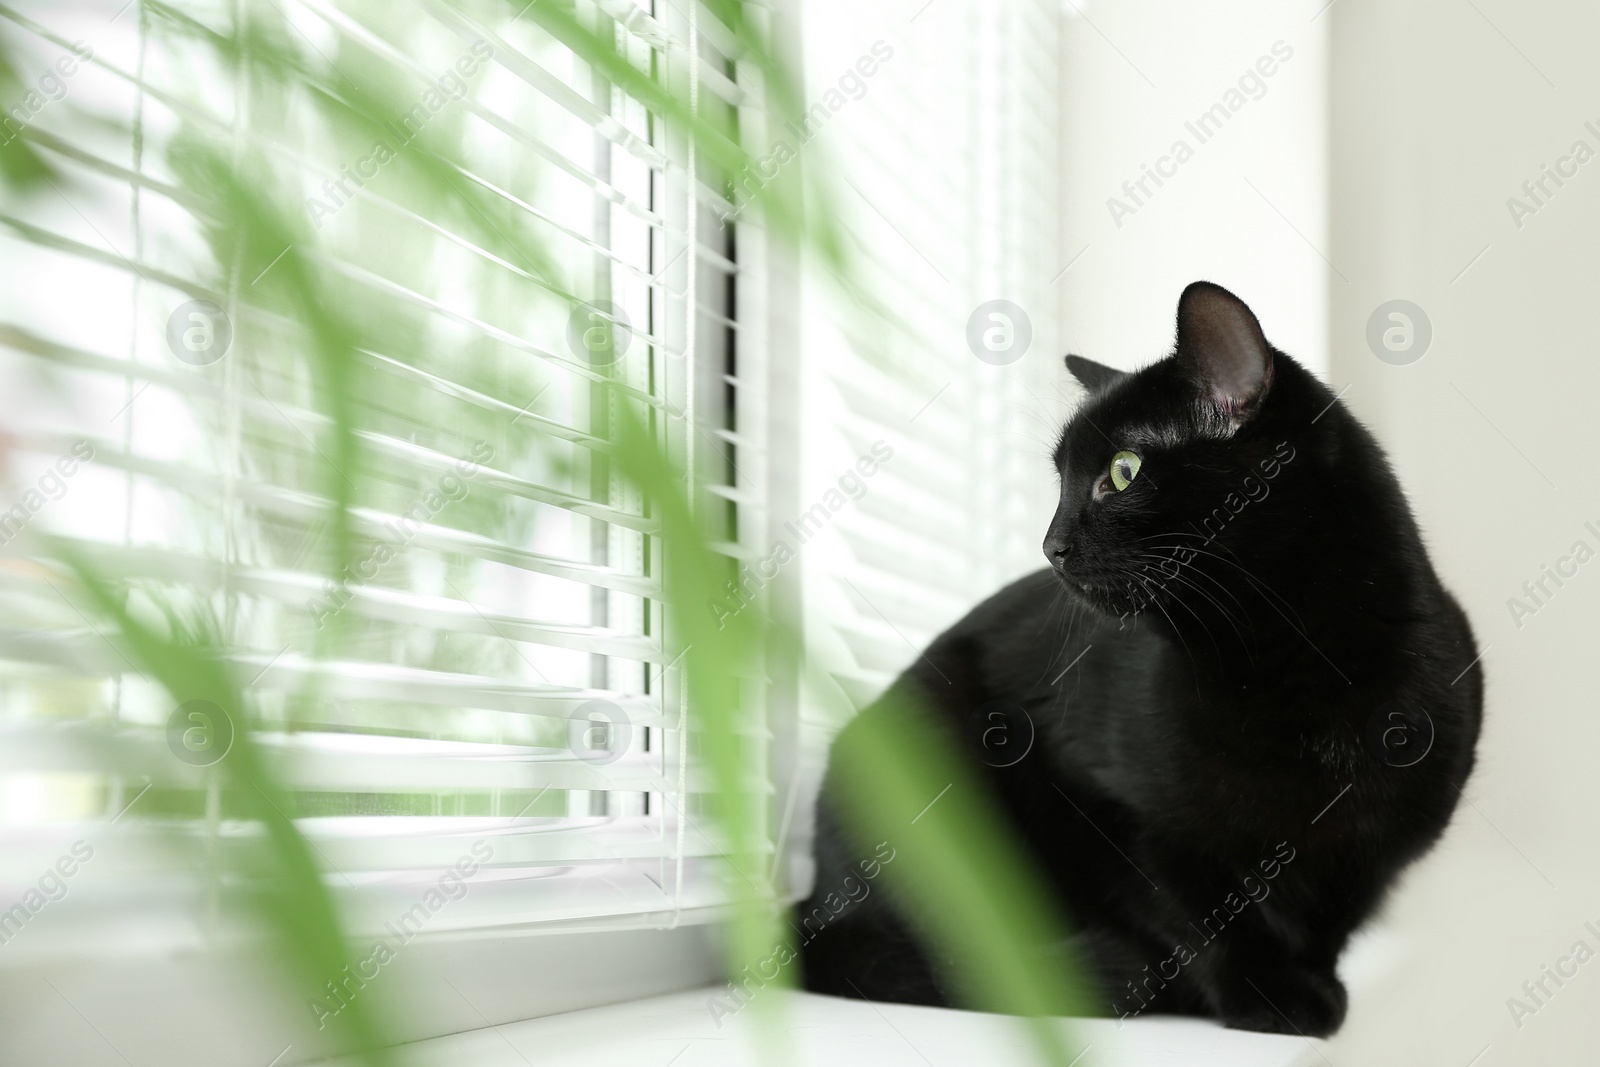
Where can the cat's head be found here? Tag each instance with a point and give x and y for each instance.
(1167, 472)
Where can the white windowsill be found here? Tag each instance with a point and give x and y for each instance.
(819, 1031)
(678, 1030)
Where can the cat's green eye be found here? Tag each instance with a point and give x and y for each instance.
(1124, 469)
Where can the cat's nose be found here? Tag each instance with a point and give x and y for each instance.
(1056, 551)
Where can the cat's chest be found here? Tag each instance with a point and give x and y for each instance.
(1174, 754)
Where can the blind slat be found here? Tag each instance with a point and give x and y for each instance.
(343, 762)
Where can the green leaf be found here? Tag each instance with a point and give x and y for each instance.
(295, 903)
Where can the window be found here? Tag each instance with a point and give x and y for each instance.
(950, 190)
(492, 678)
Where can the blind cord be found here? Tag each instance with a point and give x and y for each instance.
(691, 225)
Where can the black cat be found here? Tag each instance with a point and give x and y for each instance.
(1250, 701)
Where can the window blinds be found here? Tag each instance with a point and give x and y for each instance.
(951, 189)
(950, 193)
(493, 677)
(925, 482)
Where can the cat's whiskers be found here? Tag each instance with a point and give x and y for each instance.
(1190, 573)
(1186, 649)
(1061, 592)
(1273, 598)
(1238, 566)
(1222, 609)
(1179, 601)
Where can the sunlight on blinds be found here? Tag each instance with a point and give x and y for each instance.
(488, 678)
(952, 184)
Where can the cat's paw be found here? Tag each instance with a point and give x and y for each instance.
(1287, 1000)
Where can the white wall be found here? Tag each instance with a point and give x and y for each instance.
(1441, 110)
(1247, 211)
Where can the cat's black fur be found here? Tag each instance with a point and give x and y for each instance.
(1223, 688)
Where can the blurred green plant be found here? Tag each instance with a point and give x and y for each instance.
(189, 662)
(968, 880)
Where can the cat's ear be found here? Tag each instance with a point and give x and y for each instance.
(1221, 346)
(1096, 377)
